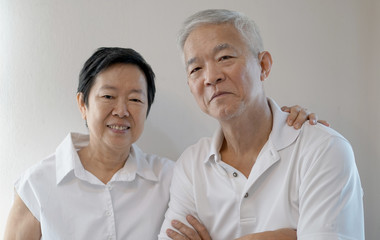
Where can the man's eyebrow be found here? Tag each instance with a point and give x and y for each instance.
(216, 49)
(191, 61)
(221, 47)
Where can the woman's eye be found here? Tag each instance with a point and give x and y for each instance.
(107, 96)
(135, 100)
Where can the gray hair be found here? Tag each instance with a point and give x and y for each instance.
(244, 25)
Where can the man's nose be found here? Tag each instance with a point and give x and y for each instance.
(121, 109)
(214, 75)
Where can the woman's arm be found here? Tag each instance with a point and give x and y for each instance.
(21, 223)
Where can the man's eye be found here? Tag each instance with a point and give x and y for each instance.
(195, 70)
(224, 58)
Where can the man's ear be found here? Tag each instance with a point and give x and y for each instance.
(265, 60)
(81, 105)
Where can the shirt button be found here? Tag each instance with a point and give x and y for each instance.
(235, 174)
(246, 195)
(109, 213)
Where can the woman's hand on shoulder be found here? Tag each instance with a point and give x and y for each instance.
(299, 115)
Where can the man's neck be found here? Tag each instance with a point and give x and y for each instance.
(245, 136)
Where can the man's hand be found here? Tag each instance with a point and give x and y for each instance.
(298, 115)
(280, 234)
(200, 232)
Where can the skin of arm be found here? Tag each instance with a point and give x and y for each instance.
(21, 223)
(280, 234)
(200, 232)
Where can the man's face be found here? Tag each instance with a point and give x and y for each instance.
(223, 75)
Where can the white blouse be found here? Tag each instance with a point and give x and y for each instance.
(71, 203)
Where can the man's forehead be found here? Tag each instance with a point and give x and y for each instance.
(215, 50)
(208, 31)
(223, 35)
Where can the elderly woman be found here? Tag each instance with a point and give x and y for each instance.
(101, 185)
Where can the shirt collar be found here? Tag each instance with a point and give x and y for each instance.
(67, 161)
(66, 154)
(216, 144)
(135, 164)
(280, 137)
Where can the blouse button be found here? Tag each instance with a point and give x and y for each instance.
(235, 174)
(246, 195)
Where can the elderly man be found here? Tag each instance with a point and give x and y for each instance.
(256, 174)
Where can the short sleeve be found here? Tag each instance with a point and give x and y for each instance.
(330, 194)
(28, 193)
(182, 200)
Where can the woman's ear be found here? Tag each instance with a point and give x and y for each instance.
(265, 60)
(81, 105)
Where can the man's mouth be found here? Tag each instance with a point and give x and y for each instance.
(217, 94)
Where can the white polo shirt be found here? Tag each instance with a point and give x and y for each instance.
(71, 203)
(303, 179)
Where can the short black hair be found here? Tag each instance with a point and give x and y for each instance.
(105, 57)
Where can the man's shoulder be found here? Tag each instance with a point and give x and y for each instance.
(201, 147)
(325, 145)
(316, 134)
(196, 154)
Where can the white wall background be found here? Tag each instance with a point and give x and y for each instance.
(326, 57)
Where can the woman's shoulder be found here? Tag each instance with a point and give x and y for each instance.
(160, 165)
(40, 172)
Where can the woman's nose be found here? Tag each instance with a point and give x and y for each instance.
(121, 109)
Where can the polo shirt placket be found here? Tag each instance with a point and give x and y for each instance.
(248, 211)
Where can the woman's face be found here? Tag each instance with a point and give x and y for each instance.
(117, 107)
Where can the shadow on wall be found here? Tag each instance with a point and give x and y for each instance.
(175, 122)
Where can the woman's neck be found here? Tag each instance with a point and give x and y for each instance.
(102, 162)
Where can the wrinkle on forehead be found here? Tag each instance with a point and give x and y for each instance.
(218, 48)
